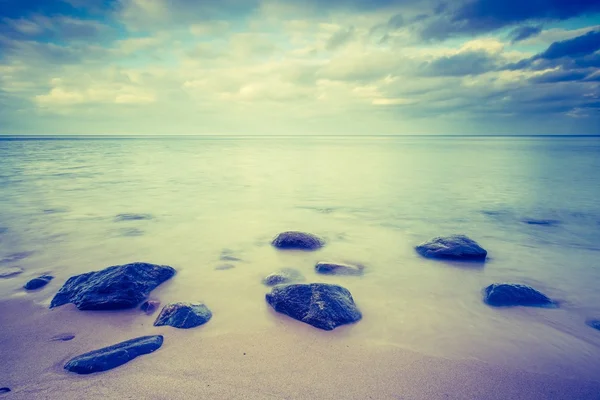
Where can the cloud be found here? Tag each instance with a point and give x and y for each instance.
(481, 16)
(521, 33)
(466, 63)
(561, 76)
(577, 47)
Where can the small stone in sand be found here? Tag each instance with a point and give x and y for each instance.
(284, 275)
(39, 282)
(512, 294)
(113, 288)
(454, 247)
(10, 272)
(594, 323)
(113, 356)
(63, 337)
(150, 306)
(329, 268)
(321, 305)
(183, 315)
(294, 240)
(224, 267)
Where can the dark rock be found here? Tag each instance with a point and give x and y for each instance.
(328, 268)
(63, 337)
(113, 356)
(454, 247)
(298, 241)
(224, 267)
(11, 258)
(132, 217)
(39, 282)
(10, 272)
(113, 288)
(4, 390)
(546, 222)
(594, 323)
(284, 275)
(150, 306)
(321, 305)
(511, 294)
(183, 315)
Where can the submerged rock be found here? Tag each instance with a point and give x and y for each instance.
(298, 241)
(132, 217)
(321, 305)
(454, 247)
(113, 288)
(228, 255)
(14, 257)
(284, 275)
(63, 337)
(38, 282)
(4, 390)
(546, 222)
(594, 323)
(329, 268)
(224, 267)
(512, 294)
(183, 315)
(114, 356)
(150, 306)
(10, 272)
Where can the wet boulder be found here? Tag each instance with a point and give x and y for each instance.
(113, 288)
(454, 247)
(38, 282)
(284, 275)
(329, 268)
(113, 356)
(321, 305)
(183, 315)
(293, 240)
(512, 294)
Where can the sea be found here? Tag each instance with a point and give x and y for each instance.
(210, 206)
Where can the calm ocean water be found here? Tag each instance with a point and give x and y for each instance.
(373, 199)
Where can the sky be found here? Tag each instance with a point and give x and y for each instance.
(312, 67)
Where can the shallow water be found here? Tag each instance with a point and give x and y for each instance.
(71, 206)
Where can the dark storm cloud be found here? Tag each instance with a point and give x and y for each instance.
(576, 47)
(561, 76)
(462, 64)
(480, 16)
(524, 32)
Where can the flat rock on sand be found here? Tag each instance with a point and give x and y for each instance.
(38, 282)
(294, 240)
(113, 288)
(329, 268)
(321, 305)
(512, 294)
(283, 276)
(454, 247)
(183, 315)
(113, 356)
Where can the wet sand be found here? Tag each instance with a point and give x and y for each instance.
(287, 360)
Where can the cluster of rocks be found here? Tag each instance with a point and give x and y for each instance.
(324, 306)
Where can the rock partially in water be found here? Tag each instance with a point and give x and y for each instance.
(114, 356)
(183, 315)
(545, 222)
(284, 275)
(10, 272)
(594, 323)
(39, 282)
(63, 337)
(294, 240)
(14, 257)
(454, 247)
(113, 288)
(150, 306)
(4, 390)
(329, 268)
(512, 294)
(132, 217)
(224, 267)
(321, 305)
